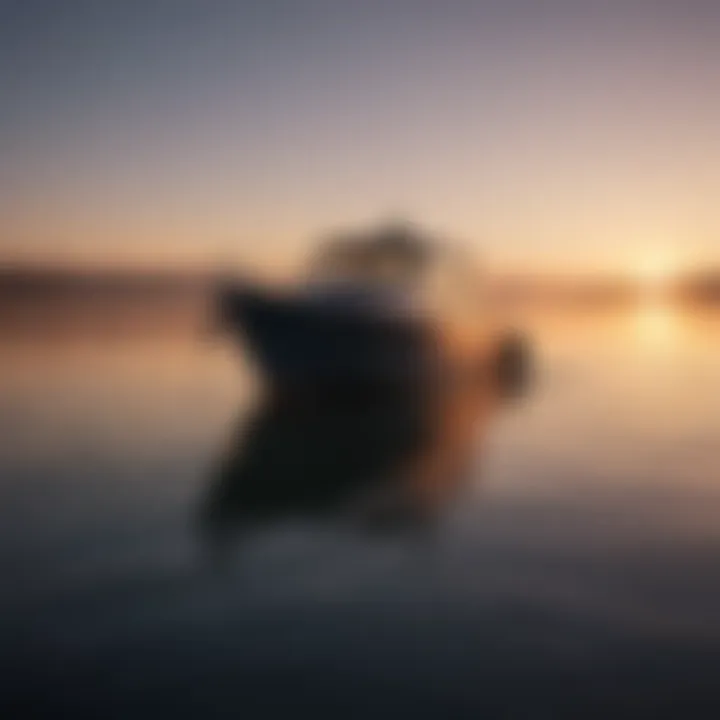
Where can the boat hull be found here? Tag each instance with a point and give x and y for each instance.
(297, 342)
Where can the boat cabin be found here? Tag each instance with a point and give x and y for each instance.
(397, 260)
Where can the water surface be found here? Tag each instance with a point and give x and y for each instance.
(557, 556)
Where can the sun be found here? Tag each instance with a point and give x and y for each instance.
(655, 272)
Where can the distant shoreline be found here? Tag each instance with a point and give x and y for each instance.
(19, 285)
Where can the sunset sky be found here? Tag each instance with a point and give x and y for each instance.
(173, 131)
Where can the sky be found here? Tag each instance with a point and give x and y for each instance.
(555, 134)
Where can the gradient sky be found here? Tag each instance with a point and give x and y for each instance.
(581, 134)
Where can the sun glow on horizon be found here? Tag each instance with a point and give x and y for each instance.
(656, 271)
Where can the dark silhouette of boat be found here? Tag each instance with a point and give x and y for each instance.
(388, 305)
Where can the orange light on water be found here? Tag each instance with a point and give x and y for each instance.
(656, 323)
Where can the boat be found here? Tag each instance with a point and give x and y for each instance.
(385, 306)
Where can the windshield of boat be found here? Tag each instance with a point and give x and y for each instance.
(387, 258)
(396, 262)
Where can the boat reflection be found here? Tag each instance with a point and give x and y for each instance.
(383, 463)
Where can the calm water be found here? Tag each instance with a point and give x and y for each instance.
(169, 547)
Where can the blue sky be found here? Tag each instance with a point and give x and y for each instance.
(178, 130)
